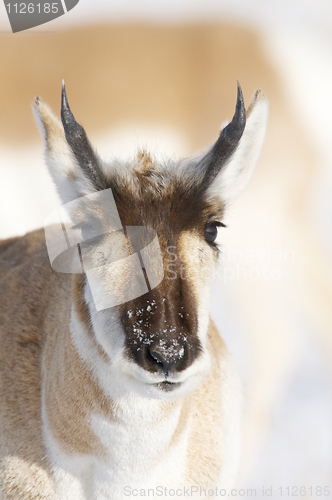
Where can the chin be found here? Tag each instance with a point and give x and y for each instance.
(166, 389)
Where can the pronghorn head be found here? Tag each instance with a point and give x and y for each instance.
(147, 232)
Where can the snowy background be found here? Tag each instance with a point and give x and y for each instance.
(288, 432)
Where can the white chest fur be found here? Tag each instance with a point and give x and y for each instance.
(143, 449)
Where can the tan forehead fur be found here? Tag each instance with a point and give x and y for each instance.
(145, 164)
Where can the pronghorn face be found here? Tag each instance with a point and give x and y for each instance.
(156, 339)
(165, 329)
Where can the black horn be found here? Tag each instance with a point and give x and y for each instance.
(226, 143)
(79, 143)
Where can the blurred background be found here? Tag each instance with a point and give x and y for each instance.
(163, 75)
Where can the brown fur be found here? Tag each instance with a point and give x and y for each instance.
(24, 466)
(71, 394)
(82, 311)
(145, 164)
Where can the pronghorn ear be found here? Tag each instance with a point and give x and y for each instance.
(233, 174)
(73, 165)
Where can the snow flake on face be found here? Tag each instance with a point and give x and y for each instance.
(169, 339)
(170, 350)
(138, 332)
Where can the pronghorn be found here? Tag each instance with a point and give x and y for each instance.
(106, 402)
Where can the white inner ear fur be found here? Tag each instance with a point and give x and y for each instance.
(235, 175)
(67, 175)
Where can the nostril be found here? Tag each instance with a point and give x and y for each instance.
(158, 356)
(164, 359)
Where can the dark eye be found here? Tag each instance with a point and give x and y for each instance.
(211, 231)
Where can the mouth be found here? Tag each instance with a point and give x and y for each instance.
(167, 386)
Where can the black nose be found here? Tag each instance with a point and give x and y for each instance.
(166, 358)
